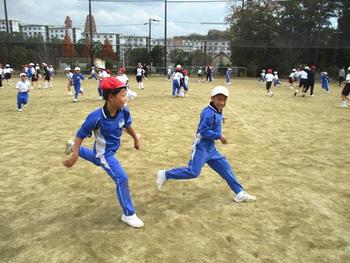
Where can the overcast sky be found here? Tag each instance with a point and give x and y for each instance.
(183, 18)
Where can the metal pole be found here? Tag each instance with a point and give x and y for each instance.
(7, 32)
(149, 35)
(91, 44)
(165, 35)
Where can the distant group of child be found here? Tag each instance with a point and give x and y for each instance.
(305, 79)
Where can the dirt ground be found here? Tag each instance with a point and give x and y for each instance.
(291, 152)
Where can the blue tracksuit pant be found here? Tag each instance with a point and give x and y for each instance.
(99, 89)
(202, 154)
(113, 168)
(176, 87)
(77, 91)
(22, 98)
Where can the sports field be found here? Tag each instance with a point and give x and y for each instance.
(291, 152)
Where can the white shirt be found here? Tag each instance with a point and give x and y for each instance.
(348, 78)
(23, 86)
(276, 77)
(140, 71)
(303, 74)
(123, 78)
(103, 74)
(186, 79)
(269, 77)
(177, 76)
(8, 70)
(69, 75)
(291, 75)
(262, 74)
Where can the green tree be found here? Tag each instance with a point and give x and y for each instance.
(19, 56)
(137, 55)
(157, 55)
(178, 56)
(197, 58)
(281, 34)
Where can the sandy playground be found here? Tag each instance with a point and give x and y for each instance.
(291, 152)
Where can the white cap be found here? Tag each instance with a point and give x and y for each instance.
(23, 74)
(307, 67)
(44, 64)
(31, 64)
(7, 65)
(67, 69)
(219, 90)
(294, 69)
(275, 72)
(76, 68)
(263, 70)
(102, 67)
(325, 73)
(229, 69)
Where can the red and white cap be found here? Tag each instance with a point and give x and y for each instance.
(111, 83)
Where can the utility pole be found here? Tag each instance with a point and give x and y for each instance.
(91, 44)
(165, 35)
(7, 32)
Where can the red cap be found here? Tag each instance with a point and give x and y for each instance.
(111, 83)
(185, 72)
(269, 70)
(121, 70)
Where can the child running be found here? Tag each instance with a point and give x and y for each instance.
(107, 124)
(204, 150)
(269, 78)
(325, 81)
(186, 79)
(346, 91)
(139, 75)
(23, 88)
(77, 79)
(69, 76)
(177, 78)
(228, 76)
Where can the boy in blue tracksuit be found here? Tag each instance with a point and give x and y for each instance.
(204, 150)
(325, 81)
(107, 124)
(77, 79)
(228, 76)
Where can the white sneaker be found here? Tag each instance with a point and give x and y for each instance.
(133, 221)
(243, 196)
(161, 179)
(100, 97)
(69, 147)
(19, 110)
(74, 100)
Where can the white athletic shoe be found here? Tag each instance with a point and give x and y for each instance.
(344, 105)
(244, 197)
(75, 100)
(161, 179)
(69, 147)
(100, 97)
(19, 110)
(133, 221)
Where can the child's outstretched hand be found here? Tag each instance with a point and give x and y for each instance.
(137, 142)
(70, 161)
(223, 139)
